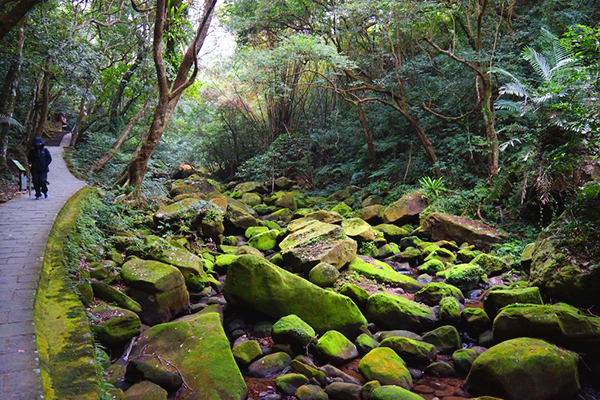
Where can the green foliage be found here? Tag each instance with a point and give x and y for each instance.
(432, 187)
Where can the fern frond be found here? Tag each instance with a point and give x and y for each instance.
(516, 89)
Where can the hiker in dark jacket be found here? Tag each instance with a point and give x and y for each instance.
(39, 159)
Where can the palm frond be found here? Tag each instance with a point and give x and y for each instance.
(10, 121)
(538, 62)
(515, 88)
(509, 105)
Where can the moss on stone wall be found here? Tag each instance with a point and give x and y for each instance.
(64, 341)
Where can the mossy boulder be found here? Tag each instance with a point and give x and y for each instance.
(498, 297)
(343, 209)
(559, 323)
(358, 230)
(463, 276)
(465, 255)
(406, 210)
(251, 199)
(248, 250)
(383, 273)
(432, 267)
(336, 348)
(413, 352)
(284, 183)
(475, 319)
(269, 365)
(317, 242)
(358, 295)
(265, 240)
(114, 325)
(388, 311)
(388, 392)
(222, 263)
(441, 369)
(385, 366)
(371, 213)
(527, 257)
(190, 265)
(239, 217)
(145, 391)
(246, 352)
(449, 311)
(525, 368)
(186, 208)
(463, 360)
(292, 330)
(309, 371)
(311, 392)
(365, 343)
(445, 338)
(255, 282)
(200, 351)
(288, 383)
(327, 217)
(113, 295)
(491, 265)
(434, 292)
(343, 390)
(435, 252)
(159, 288)
(255, 230)
(440, 226)
(287, 200)
(392, 233)
(324, 275)
(250, 187)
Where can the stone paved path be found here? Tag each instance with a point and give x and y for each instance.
(24, 227)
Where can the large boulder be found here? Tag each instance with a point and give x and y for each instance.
(186, 208)
(358, 230)
(190, 265)
(316, 242)
(434, 292)
(114, 295)
(406, 210)
(440, 226)
(159, 288)
(336, 348)
(463, 276)
(328, 217)
(384, 273)
(498, 297)
(114, 325)
(255, 282)
(414, 352)
(560, 324)
(251, 187)
(292, 330)
(391, 312)
(198, 350)
(384, 365)
(524, 368)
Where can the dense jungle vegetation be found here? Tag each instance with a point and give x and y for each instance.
(491, 106)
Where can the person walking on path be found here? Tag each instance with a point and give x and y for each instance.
(39, 159)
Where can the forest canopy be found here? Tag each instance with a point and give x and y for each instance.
(495, 99)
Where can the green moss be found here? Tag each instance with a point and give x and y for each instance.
(384, 365)
(517, 368)
(432, 267)
(383, 273)
(393, 393)
(336, 348)
(323, 275)
(246, 352)
(64, 341)
(288, 383)
(309, 371)
(463, 276)
(394, 312)
(414, 352)
(445, 338)
(498, 297)
(491, 265)
(293, 330)
(255, 282)
(449, 310)
(434, 292)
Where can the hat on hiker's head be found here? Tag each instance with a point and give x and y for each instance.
(38, 141)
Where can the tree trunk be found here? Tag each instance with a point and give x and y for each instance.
(75, 130)
(115, 109)
(168, 98)
(10, 16)
(487, 111)
(367, 135)
(424, 139)
(98, 165)
(43, 110)
(8, 94)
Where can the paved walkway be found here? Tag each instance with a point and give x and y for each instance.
(24, 227)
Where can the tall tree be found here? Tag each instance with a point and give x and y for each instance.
(168, 95)
(13, 11)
